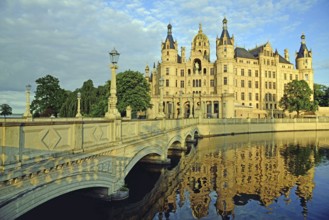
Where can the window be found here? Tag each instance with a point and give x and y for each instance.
(249, 72)
(296, 77)
(182, 72)
(256, 73)
(290, 76)
(273, 75)
(274, 85)
(306, 77)
(273, 96)
(212, 83)
(269, 74)
(225, 80)
(182, 83)
(242, 95)
(204, 71)
(250, 96)
(242, 83)
(256, 84)
(249, 84)
(225, 68)
(265, 73)
(189, 72)
(265, 85)
(193, 83)
(167, 82)
(285, 76)
(212, 71)
(242, 72)
(176, 84)
(270, 85)
(167, 71)
(256, 97)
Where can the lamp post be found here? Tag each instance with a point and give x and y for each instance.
(27, 113)
(112, 112)
(78, 115)
(161, 114)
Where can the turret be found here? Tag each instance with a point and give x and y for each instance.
(303, 56)
(225, 44)
(147, 73)
(304, 63)
(169, 47)
(286, 54)
(183, 54)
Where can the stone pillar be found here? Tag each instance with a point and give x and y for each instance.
(191, 113)
(173, 108)
(180, 106)
(128, 112)
(112, 112)
(27, 113)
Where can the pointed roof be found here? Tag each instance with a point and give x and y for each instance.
(169, 38)
(303, 47)
(225, 34)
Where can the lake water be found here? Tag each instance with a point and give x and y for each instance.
(256, 176)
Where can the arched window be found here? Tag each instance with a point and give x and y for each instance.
(204, 71)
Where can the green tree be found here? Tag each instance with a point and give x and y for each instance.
(132, 90)
(5, 110)
(297, 97)
(99, 108)
(321, 94)
(49, 97)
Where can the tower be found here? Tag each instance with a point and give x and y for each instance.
(225, 71)
(169, 47)
(304, 63)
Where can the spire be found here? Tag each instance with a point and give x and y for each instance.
(303, 38)
(303, 48)
(225, 36)
(224, 23)
(169, 38)
(200, 28)
(169, 29)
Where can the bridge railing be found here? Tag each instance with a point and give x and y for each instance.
(23, 142)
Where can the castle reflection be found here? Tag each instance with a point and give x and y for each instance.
(238, 169)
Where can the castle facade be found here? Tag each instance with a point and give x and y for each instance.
(240, 83)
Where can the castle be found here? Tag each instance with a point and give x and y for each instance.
(240, 83)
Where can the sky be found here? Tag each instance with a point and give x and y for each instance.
(70, 39)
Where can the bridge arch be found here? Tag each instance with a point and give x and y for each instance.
(158, 150)
(58, 187)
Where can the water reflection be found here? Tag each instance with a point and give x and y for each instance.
(235, 170)
(267, 176)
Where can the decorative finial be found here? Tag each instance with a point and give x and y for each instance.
(303, 38)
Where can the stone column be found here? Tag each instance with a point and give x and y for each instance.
(191, 113)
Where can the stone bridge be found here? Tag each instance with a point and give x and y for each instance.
(41, 160)
(46, 158)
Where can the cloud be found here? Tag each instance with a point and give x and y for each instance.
(71, 39)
